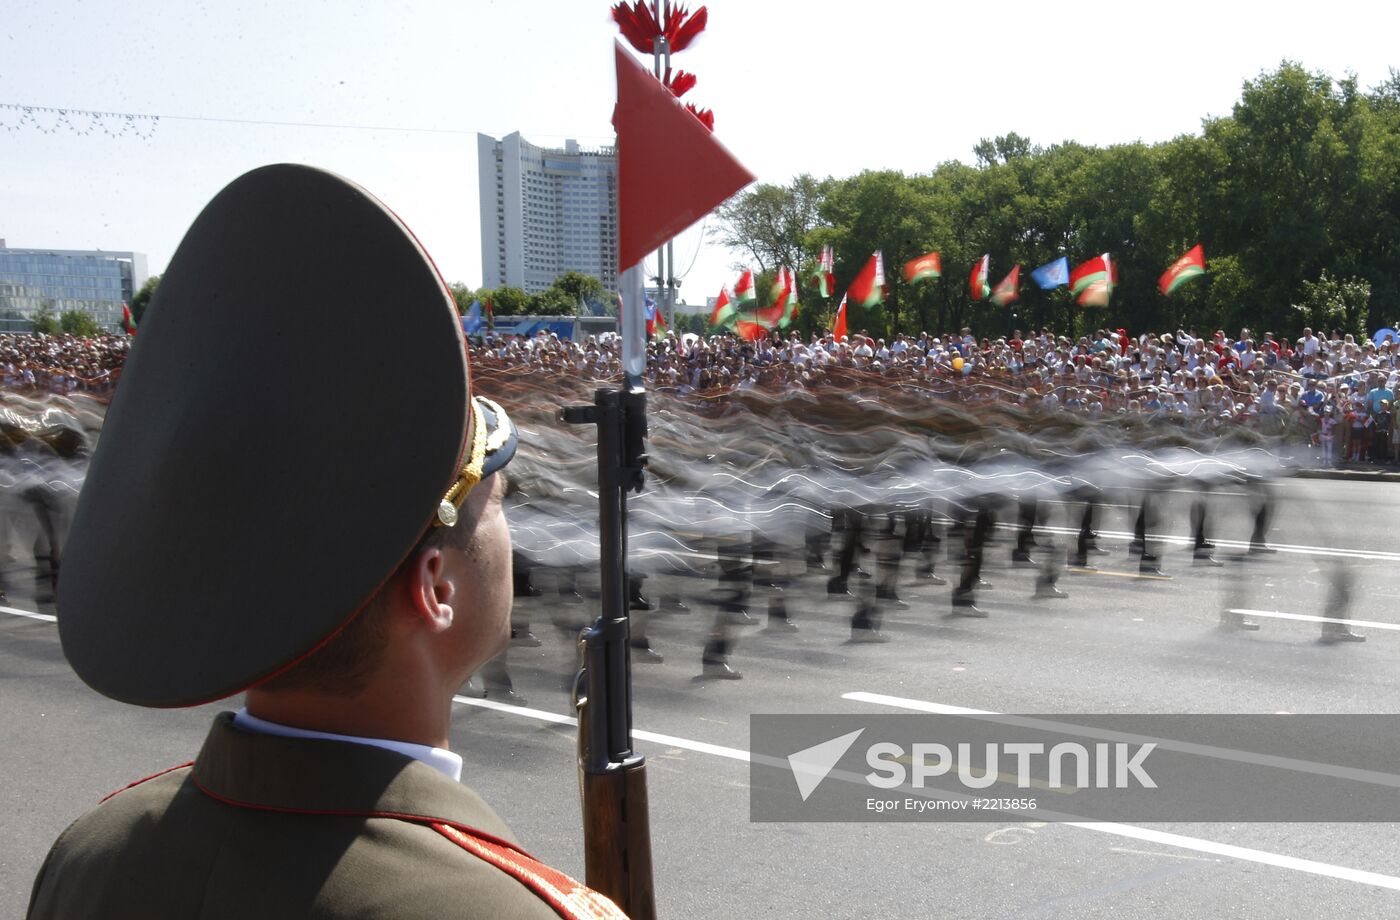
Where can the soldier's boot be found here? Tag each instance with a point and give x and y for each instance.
(496, 678)
(865, 624)
(778, 620)
(635, 599)
(1339, 632)
(714, 661)
(1231, 620)
(642, 652)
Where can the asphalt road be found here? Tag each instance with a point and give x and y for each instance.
(1119, 644)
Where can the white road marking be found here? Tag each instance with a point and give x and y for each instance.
(1160, 853)
(702, 747)
(1310, 618)
(1293, 548)
(1372, 777)
(1278, 860)
(1146, 835)
(1180, 841)
(15, 611)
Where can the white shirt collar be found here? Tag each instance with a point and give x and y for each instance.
(440, 759)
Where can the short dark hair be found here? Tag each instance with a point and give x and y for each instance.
(346, 661)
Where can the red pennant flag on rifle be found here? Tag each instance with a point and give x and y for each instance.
(671, 169)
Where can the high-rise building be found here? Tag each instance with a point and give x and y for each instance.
(545, 212)
(60, 280)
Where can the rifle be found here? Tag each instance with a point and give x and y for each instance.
(613, 779)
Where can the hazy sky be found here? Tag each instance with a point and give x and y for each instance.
(824, 88)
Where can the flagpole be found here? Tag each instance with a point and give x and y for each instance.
(670, 244)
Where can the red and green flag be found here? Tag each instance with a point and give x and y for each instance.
(1092, 282)
(723, 313)
(749, 331)
(929, 265)
(775, 315)
(838, 329)
(744, 290)
(656, 321)
(824, 278)
(128, 321)
(869, 287)
(1191, 265)
(1008, 289)
(977, 283)
(790, 305)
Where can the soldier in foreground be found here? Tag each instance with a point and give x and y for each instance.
(256, 519)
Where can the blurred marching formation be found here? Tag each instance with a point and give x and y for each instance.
(752, 495)
(755, 492)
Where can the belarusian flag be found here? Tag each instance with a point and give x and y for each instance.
(838, 330)
(977, 284)
(1093, 281)
(723, 313)
(128, 322)
(654, 319)
(929, 265)
(779, 289)
(1189, 266)
(824, 278)
(771, 316)
(749, 332)
(791, 304)
(1008, 289)
(744, 290)
(869, 287)
(1096, 269)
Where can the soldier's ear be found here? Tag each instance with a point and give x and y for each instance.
(430, 589)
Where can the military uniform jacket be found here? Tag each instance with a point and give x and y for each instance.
(266, 827)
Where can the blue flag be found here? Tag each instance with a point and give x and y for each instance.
(471, 320)
(1052, 274)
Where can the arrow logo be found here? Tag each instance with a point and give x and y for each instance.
(811, 765)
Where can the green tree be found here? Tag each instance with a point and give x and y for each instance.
(142, 298)
(768, 224)
(1302, 177)
(45, 321)
(1334, 303)
(505, 301)
(462, 296)
(582, 289)
(79, 323)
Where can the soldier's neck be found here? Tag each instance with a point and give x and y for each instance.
(415, 718)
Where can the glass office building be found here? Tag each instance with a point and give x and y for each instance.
(545, 212)
(60, 280)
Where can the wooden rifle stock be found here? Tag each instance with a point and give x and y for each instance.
(616, 825)
(617, 838)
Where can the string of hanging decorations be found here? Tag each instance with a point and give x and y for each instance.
(83, 122)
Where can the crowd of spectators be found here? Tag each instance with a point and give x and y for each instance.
(62, 363)
(1334, 392)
